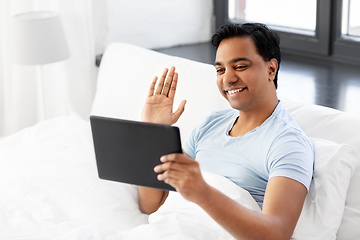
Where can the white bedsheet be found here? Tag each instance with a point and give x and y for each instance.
(49, 189)
(180, 219)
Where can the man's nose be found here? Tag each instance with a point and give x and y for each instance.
(230, 77)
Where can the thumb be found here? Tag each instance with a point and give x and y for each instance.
(176, 115)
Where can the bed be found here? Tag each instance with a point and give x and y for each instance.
(49, 188)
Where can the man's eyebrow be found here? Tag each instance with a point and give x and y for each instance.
(235, 60)
(240, 59)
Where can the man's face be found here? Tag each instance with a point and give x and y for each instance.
(243, 77)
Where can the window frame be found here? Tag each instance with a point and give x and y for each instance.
(346, 48)
(328, 43)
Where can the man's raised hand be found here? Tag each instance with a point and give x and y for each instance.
(159, 102)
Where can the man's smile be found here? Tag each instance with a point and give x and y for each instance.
(234, 91)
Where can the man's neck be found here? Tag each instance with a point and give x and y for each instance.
(249, 120)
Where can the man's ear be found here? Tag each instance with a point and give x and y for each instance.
(273, 66)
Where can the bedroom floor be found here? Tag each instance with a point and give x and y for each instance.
(328, 84)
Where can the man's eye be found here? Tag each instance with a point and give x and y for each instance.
(240, 67)
(219, 71)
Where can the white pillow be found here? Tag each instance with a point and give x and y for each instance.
(341, 127)
(324, 205)
(125, 75)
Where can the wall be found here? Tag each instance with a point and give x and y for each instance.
(159, 23)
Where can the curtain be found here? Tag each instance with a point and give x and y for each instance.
(69, 85)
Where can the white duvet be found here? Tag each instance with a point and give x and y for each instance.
(181, 219)
(49, 189)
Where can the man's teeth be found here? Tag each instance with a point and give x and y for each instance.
(235, 90)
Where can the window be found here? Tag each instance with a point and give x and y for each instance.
(323, 29)
(346, 38)
(350, 25)
(271, 14)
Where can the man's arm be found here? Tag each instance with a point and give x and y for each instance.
(282, 204)
(158, 108)
(281, 210)
(150, 199)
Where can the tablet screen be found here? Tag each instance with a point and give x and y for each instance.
(127, 151)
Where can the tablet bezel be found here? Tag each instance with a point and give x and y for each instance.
(127, 151)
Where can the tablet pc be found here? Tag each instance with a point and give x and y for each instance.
(127, 151)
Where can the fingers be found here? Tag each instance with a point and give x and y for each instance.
(168, 163)
(174, 161)
(180, 171)
(167, 170)
(167, 83)
(152, 87)
(161, 82)
(170, 175)
(176, 115)
(176, 157)
(183, 173)
(173, 85)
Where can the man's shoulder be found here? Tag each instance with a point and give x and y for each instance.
(222, 114)
(217, 118)
(285, 119)
(288, 129)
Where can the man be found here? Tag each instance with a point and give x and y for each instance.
(257, 144)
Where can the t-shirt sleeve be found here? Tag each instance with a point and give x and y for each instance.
(191, 143)
(189, 146)
(292, 155)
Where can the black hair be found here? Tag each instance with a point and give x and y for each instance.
(267, 42)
